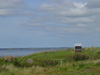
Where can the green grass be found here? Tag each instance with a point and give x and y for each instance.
(62, 62)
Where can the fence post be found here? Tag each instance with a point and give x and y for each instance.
(92, 48)
(61, 62)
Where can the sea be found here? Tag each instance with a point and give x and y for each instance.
(16, 52)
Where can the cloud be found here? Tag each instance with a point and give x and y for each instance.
(69, 16)
(76, 20)
(9, 3)
(80, 5)
(93, 3)
(11, 7)
(4, 12)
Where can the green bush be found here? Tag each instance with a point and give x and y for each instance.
(78, 56)
(45, 63)
(98, 63)
(1, 61)
(98, 53)
(9, 58)
(22, 64)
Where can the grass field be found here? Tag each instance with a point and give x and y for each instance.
(62, 62)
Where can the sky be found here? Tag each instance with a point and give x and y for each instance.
(49, 23)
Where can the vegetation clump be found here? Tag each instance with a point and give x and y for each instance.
(9, 58)
(48, 63)
(79, 56)
(29, 61)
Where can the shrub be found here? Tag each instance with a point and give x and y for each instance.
(29, 61)
(77, 57)
(98, 63)
(9, 58)
(46, 63)
(16, 63)
(22, 63)
(1, 61)
(98, 53)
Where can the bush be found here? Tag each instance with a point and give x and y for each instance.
(22, 63)
(98, 53)
(77, 57)
(29, 61)
(98, 63)
(1, 61)
(9, 58)
(45, 63)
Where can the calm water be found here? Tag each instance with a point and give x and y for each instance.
(24, 52)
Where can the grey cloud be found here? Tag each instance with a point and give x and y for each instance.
(93, 4)
(4, 12)
(77, 20)
(10, 3)
(69, 16)
(65, 9)
(11, 7)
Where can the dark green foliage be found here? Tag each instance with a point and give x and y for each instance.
(79, 56)
(81, 65)
(16, 63)
(45, 63)
(98, 53)
(98, 63)
(63, 69)
(22, 64)
(1, 61)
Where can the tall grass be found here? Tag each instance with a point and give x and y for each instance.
(60, 62)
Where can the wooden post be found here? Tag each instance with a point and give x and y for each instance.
(92, 48)
(61, 62)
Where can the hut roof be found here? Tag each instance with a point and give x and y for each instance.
(78, 44)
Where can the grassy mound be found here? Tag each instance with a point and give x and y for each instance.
(62, 62)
